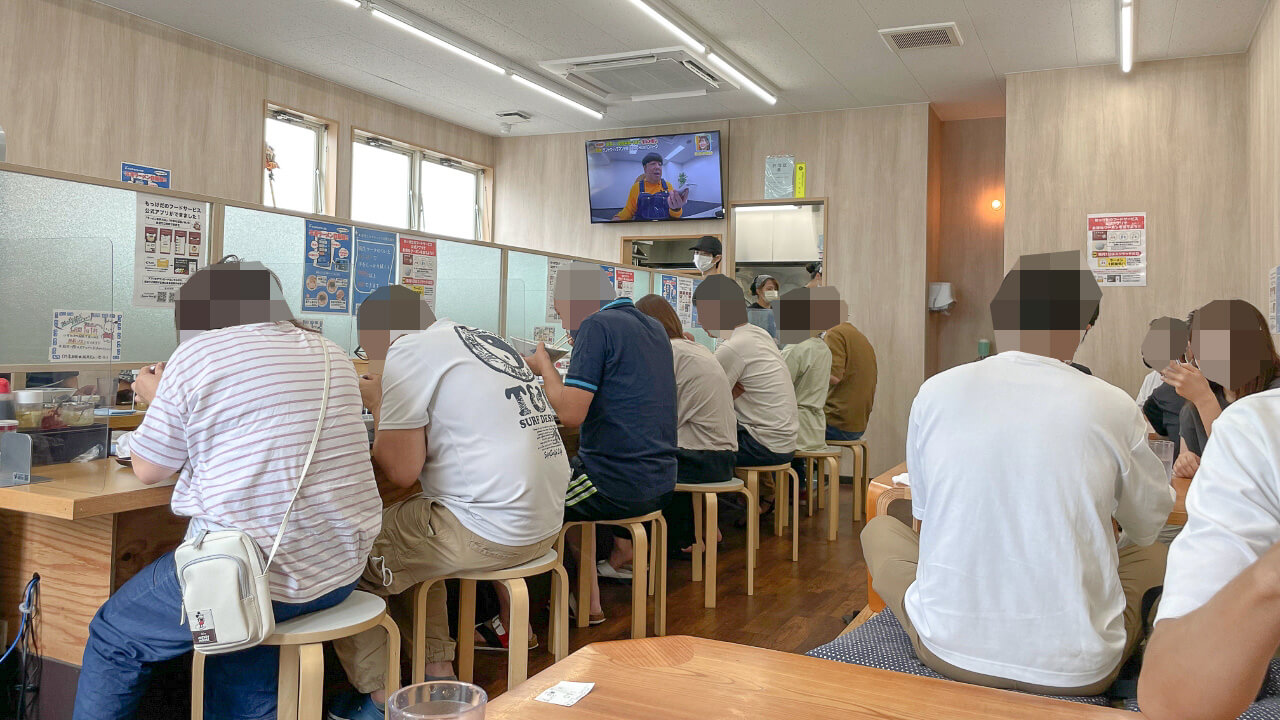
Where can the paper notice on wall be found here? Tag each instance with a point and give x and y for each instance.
(375, 264)
(669, 285)
(553, 270)
(684, 301)
(693, 309)
(779, 176)
(624, 282)
(86, 336)
(168, 247)
(326, 271)
(1116, 245)
(418, 267)
(1271, 300)
(312, 324)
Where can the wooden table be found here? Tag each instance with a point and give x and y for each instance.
(687, 678)
(126, 422)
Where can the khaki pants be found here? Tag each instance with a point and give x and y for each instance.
(420, 539)
(892, 551)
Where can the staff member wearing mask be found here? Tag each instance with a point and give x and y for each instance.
(707, 255)
(760, 313)
(651, 197)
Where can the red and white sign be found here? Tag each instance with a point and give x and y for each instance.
(1116, 245)
(418, 267)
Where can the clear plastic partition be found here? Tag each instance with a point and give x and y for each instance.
(468, 284)
(528, 298)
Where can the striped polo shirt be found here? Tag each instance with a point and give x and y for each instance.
(236, 410)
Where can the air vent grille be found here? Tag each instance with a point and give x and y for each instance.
(922, 36)
(514, 116)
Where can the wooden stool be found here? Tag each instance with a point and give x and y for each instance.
(301, 679)
(706, 492)
(822, 468)
(781, 475)
(518, 638)
(644, 581)
(860, 477)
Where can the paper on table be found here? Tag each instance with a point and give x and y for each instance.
(902, 480)
(565, 693)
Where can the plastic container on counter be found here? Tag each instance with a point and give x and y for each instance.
(77, 412)
(29, 408)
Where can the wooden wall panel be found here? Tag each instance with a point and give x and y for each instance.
(971, 241)
(1170, 140)
(84, 87)
(1264, 149)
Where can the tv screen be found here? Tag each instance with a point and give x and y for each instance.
(655, 178)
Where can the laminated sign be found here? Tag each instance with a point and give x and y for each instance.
(1116, 245)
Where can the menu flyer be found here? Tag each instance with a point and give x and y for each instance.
(418, 267)
(326, 271)
(1116, 245)
(553, 270)
(86, 336)
(375, 264)
(168, 247)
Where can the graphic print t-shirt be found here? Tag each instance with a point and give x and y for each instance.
(494, 456)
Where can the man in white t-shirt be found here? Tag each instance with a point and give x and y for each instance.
(459, 411)
(1018, 466)
(1219, 620)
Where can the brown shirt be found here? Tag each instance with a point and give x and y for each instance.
(853, 364)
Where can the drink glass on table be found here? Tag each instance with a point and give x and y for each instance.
(1163, 450)
(444, 700)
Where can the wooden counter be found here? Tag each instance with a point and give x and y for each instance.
(85, 490)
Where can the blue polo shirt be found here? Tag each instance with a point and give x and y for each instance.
(628, 440)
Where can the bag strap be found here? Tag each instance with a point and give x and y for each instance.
(315, 440)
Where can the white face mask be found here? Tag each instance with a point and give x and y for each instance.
(703, 262)
(771, 295)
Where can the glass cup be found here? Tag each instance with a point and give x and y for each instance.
(444, 700)
(1164, 450)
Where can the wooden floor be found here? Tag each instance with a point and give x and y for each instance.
(796, 606)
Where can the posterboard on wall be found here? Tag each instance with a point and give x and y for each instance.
(168, 247)
(418, 267)
(326, 272)
(553, 270)
(1116, 245)
(624, 282)
(86, 336)
(375, 263)
(779, 176)
(1271, 301)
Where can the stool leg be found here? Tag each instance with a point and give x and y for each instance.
(753, 520)
(659, 571)
(713, 522)
(311, 681)
(560, 612)
(639, 574)
(197, 686)
(419, 672)
(833, 504)
(586, 572)
(653, 557)
(467, 629)
(814, 482)
(391, 681)
(751, 545)
(859, 469)
(780, 503)
(697, 500)
(518, 649)
(287, 684)
(795, 515)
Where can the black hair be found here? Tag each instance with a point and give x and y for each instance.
(651, 157)
(1094, 320)
(813, 268)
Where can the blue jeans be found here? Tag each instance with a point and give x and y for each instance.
(138, 626)
(835, 433)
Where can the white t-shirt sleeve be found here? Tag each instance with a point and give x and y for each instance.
(915, 461)
(731, 361)
(1144, 496)
(162, 437)
(407, 389)
(1233, 516)
(1152, 381)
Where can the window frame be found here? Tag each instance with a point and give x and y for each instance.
(323, 172)
(382, 143)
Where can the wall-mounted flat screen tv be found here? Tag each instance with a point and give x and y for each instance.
(655, 178)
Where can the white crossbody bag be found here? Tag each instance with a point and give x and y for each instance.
(226, 589)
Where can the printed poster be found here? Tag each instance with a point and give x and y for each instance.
(86, 336)
(779, 176)
(670, 283)
(1116, 245)
(1271, 300)
(168, 247)
(418, 267)
(684, 301)
(624, 281)
(553, 270)
(326, 273)
(375, 264)
(693, 309)
(143, 175)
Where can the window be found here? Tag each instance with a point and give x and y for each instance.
(293, 172)
(400, 185)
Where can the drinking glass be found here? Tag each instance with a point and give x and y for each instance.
(444, 700)
(1163, 450)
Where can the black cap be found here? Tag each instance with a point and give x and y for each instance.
(651, 157)
(709, 244)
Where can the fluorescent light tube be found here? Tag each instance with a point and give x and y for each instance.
(552, 93)
(676, 30)
(393, 20)
(352, 3)
(766, 208)
(742, 80)
(1126, 35)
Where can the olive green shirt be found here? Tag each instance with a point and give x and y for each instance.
(809, 363)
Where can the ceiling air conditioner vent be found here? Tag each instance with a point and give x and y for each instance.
(922, 36)
(645, 75)
(514, 116)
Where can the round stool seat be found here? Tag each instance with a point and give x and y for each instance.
(733, 485)
(829, 452)
(848, 443)
(656, 514)
(764, 468)
(533, 567)
(359, 612)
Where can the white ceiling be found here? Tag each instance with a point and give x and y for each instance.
(820, 54)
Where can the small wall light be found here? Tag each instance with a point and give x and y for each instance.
(996, 204)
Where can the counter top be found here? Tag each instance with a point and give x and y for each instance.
(81, 490)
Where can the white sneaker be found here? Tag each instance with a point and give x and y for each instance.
(604, 569)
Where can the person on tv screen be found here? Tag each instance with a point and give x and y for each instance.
(651, 197)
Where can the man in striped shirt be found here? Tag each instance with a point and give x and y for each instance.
(233, 413)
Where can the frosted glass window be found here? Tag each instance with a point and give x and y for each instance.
(295, 184)
(468, 284)
(380, 182)
(450, 200)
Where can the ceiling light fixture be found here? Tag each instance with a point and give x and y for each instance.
(676, 30)
(552, 93)
(1126, 35)
(393, 20)
(352, 3)
(741, 80)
